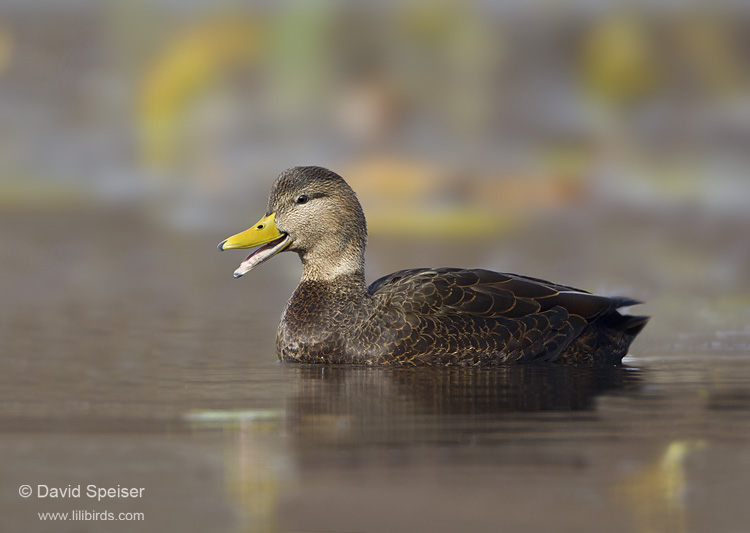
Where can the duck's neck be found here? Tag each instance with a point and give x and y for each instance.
(319, 267)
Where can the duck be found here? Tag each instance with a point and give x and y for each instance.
(418, 316)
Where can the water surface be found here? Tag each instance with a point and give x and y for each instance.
(126, 360)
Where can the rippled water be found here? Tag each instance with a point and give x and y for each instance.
(170, 383)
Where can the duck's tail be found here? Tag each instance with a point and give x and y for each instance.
(607, 339)
(631, 325)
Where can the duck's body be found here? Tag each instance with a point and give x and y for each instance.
(444, 316)
(450, 316)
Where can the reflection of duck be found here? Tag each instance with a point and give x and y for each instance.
(415, 317)
(355, 406)
(343, 390)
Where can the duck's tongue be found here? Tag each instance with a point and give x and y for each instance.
(259, 255)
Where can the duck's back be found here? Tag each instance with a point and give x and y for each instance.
(479, 317)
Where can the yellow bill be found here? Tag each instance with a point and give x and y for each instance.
(264, 234)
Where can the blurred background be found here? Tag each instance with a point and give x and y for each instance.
(593, 143)
(588, 142)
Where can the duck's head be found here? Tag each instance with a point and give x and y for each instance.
(311, 211)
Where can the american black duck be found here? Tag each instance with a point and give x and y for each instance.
(421, 316)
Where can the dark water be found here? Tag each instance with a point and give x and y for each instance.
(113, 373)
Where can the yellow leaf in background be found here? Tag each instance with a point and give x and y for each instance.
(194, 60)
(618, 59)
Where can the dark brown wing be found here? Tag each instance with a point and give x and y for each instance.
(525, 318)
(487, 293)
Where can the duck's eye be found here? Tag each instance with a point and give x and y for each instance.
(302, 199)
